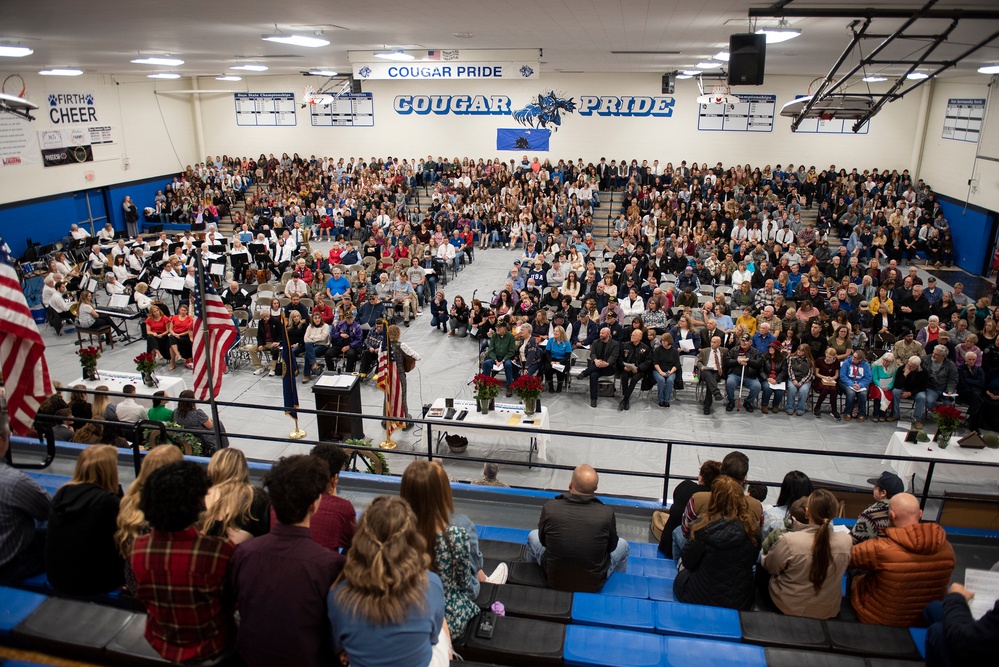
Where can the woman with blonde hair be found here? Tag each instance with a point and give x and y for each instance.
(806, 566)
(234, 508)
(716, 565)
(386, 609)
(80, 553)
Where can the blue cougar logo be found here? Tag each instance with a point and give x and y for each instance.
(547, 110)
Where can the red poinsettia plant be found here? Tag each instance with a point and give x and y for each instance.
(89, 356)
(145, 362)
(947, 417)
(486, 387)
(527, 386)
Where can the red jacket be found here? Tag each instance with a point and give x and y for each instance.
(907, 569)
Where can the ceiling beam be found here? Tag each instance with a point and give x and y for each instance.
(871, 12)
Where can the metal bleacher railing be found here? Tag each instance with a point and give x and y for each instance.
(434, 427)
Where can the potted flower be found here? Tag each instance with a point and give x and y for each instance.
(88, 361)
(528, 388)
(486, 390)
(948, 418)
(145, 363)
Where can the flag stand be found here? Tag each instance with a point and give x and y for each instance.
(298, 433)
(200, 283)
(388, 443)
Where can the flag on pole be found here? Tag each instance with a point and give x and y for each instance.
(289, 371)
(22, 352)
(221, 335)
(390, 383)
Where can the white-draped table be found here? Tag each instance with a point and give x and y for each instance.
(115, 381)
(930, 462)
(519, 430)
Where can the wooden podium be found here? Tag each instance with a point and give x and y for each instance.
(339, 393)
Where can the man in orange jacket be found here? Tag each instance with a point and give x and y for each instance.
(907, 569)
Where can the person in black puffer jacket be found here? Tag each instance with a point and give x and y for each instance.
(716, 566)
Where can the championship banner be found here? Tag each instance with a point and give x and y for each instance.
(18, 141)
(66, 146)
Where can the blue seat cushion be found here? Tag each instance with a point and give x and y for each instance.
(691, 620)
(613, 611)
(644, 550)
(626, 585)
(686, 651)
(919, 638)
(503, 534)
(608, 647)
(660, 567)
(15, 606)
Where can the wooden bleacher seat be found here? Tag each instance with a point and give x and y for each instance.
(966, 510)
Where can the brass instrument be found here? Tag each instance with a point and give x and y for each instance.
(74, 309)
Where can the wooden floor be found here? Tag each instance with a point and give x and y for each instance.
(8, 653)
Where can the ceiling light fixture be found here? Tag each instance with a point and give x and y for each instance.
(322, 72)
(166, 62)
(722, 55)
(228, 77)
(61, 71)
(780, 33)
(685, 76)
(163, 75)
(297, 40)
(874, 79)
(691, 72)
(917, 76)
(11, 51)
(988, 69)
(398, 54)
(250, 68)
(708, 65)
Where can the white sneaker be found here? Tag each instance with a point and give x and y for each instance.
(260, 371)
(273, 373)
(499, 575)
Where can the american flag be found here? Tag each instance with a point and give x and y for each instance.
(22, 352)
(389, 382)
(221, 335)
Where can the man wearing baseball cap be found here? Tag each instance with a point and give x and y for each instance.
(873, 520)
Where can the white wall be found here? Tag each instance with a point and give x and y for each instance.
(947, 165)
(155, 132)
(888, 145)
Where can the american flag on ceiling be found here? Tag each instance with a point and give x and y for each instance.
(390, 383)
(22, 352)
(221, 335)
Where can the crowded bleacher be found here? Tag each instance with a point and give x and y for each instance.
(762, 289)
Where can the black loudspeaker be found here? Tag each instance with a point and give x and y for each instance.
(355, 85)
(747, 59)
(669, 83)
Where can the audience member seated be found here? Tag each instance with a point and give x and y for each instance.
(854, 380)
(387, 608)
(941, 377)
(906, 570)
(682, 494)
(80, 553)
(604, 355)
(795, 485)
(910, 384)
(128, 410)
(743, 365)
(180, 574)
(190, 416)
(716, 564)
(576, 542)
(734, 465)
(281, 579)
(334, 523)
(955, 637)
(234, 508)
(803, 570)
(873, 520)
(22, 504)
(502, 350)
(635, 361)
(160, 412)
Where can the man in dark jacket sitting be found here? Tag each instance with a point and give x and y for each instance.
(743, 364)
(576, 541)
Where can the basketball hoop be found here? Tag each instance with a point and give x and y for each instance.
(720, 94)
